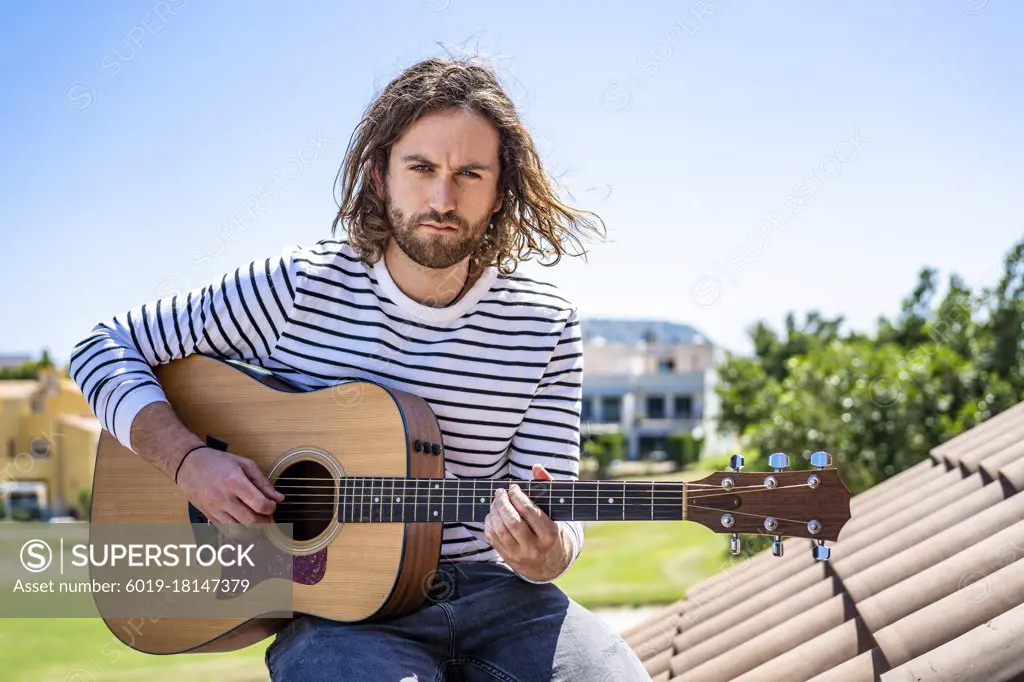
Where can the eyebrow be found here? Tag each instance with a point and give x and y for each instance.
(427, 162)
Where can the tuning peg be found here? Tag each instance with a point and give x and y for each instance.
(820, 551)
(734, 544)
(821, 459)
(777, 546)
(736, 462)
(778, 460)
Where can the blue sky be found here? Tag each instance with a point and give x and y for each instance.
(748, 158)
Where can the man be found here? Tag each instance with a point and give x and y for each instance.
(443, 194)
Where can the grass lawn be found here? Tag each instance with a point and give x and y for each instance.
(623, 562)
(83, 650)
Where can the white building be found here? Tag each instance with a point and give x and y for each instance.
(649, 379)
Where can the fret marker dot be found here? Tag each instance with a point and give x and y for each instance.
(437, 485)
(561, 500)
(611, 499)
(435, 513)
(376, 499)
(481, 499)
(397, 500)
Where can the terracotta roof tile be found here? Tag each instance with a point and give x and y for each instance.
(924, 579)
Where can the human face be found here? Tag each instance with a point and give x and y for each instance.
(441, 186)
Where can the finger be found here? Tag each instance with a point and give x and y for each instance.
(511, 520)
(259, 480)
(491, 523)
(243, 514)
(243, 486)
(540, 523)
(540, 473)
(503, 535)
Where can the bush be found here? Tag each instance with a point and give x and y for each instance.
(684, 449)
(605, 449)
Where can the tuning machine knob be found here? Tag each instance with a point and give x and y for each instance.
(821, 459)
(820, 551)
(778, 461)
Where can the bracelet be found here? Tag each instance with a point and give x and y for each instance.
(198, 447)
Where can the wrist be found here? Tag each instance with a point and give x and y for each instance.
(183, 468)
(562, 557)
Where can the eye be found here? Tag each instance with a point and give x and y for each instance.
(470, 174)
(421, 167)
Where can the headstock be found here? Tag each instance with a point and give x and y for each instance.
(811, 504)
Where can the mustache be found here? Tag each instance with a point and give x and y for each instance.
(449, 220)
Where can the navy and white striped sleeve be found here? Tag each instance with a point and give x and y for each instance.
(550, 431)
(239, 316)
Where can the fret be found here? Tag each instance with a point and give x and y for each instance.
(377, 491)
(613, 498)
(370, 500)
(434, 513)
(585, 501)
(415, 499)
(535, 492)
(572, 502)
(597, 501)
(668, 498)
(340, 511)
(350, 500)
(560, 496)
(640, 501)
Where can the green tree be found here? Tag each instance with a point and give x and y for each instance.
(879, 403)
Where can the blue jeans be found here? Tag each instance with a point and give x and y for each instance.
(479, 622)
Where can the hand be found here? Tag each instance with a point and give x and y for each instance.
(228, 489)
(527, 538)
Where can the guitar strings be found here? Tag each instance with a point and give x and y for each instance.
(351, 502)
(466, 494)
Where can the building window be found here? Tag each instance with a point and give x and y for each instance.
(39, 448)
(587, 411)
(611, 409)
(666, 365)
(655, 407)
(684, 407)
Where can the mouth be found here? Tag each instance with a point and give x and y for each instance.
(438, 228)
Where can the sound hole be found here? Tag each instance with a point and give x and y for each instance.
(308, 504)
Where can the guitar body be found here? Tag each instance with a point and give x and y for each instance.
(343, 571)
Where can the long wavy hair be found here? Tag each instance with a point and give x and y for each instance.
(532, 221)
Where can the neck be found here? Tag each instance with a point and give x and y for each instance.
(428, 286)
(386, 499)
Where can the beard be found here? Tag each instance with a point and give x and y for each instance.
(432, 250)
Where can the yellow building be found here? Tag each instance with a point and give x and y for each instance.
(48, 439)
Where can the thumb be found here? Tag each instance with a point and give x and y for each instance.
(260, 481)
(541, 474)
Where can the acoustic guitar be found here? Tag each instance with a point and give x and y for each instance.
(362, 469)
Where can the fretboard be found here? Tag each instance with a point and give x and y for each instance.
(385, 499)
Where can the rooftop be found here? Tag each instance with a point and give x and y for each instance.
(923, 584)
(631, 332)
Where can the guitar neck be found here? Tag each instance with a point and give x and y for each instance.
(393, 499)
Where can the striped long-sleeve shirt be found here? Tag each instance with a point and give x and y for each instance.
(501, 368)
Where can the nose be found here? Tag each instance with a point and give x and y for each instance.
(442, 197)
